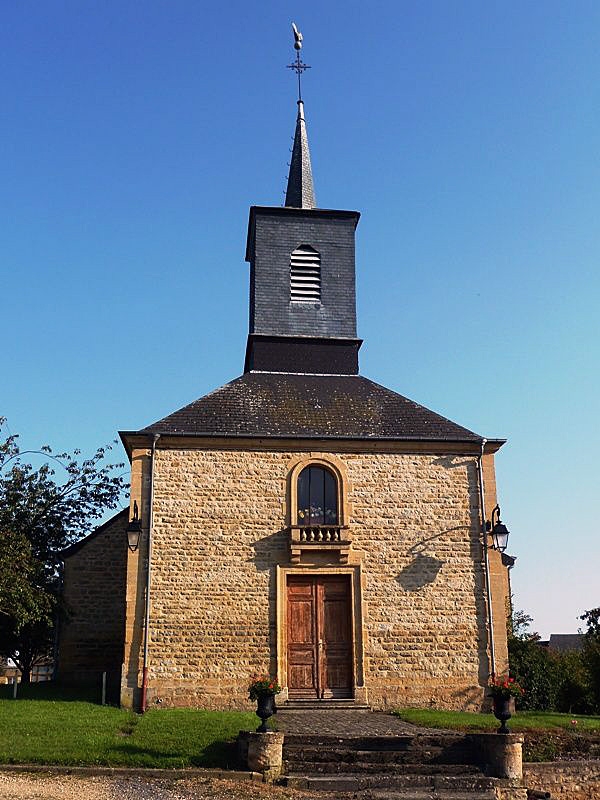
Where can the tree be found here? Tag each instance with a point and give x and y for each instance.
(41, 513)
(530, 664)
(591, 652)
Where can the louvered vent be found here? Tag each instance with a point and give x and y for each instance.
(305, 275)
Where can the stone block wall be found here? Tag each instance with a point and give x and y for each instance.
(220, 521)
(91, 637)
(565, 780)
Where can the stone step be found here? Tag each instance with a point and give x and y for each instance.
(374, 768)
(436, 785)
(322, 705)
(398, 742)
(417, 794)
(400, 755)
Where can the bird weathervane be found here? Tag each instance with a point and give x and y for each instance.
(298, 66)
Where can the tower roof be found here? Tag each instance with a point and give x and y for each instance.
(300, 192)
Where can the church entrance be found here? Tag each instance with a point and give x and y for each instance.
(319, 637)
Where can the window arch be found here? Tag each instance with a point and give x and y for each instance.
(317, 497)
(305, 275)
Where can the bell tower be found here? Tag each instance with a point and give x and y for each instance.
(302, 276)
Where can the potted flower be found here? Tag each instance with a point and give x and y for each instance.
(503, 691)
(263, 689)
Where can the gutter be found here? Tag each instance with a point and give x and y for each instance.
(486, 561)
(155, 439)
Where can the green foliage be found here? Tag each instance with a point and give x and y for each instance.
(263, 686)
(530, 665)
(73, 732)
(591, 653)
(556, 681)
(20, 580)
(504, 687)
(41, 513)
(573, 686)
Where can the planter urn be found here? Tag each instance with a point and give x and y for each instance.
(503, 708)
(265, 709)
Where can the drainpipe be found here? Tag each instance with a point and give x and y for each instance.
(155, 439)
(486, 561)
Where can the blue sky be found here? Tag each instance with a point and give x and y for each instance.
(135, 135)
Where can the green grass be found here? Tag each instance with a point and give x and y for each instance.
(521, 721)
(70, 732)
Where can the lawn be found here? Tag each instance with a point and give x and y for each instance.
(521, 721)
(548, 736)
(71, 731)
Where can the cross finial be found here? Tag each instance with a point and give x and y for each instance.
(298, 66)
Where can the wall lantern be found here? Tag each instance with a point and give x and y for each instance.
(134, 529)
(498, 530)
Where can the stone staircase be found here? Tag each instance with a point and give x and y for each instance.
(406, 767)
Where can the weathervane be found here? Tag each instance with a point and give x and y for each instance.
(298, 66)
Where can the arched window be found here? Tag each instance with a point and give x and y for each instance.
(305, 275)
(317, 497)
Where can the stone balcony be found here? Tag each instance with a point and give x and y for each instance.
(310, 538)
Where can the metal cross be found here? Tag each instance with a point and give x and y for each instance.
(298, 66)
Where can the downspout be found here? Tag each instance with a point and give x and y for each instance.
(486, 561)
(155, 439)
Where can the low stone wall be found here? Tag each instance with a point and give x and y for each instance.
(565, 780)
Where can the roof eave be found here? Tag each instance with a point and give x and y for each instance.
(147, 433)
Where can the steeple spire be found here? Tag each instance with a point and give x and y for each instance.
(300, 191)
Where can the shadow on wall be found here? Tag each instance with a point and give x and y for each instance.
(452, 462)
(471, 699)
(268, 552)
(423, 569)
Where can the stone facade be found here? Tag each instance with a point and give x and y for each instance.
(91, 636)
(221, 555)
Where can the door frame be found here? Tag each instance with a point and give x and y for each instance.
(356, 608)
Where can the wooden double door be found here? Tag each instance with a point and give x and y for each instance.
(319, 634)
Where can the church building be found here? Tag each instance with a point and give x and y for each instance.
(302, 520)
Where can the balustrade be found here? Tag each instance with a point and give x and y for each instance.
(321, 533)
(334, 539)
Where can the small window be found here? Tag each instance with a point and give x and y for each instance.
(317, 497)
(305, 275)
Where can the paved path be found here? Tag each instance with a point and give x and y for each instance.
(345, 722)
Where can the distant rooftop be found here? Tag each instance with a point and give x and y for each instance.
(564, 642)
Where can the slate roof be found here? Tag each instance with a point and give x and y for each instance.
(300, 189)
(565, 642)
(285, 405)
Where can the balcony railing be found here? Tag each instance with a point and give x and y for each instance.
(307, 538)
(321, 533)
